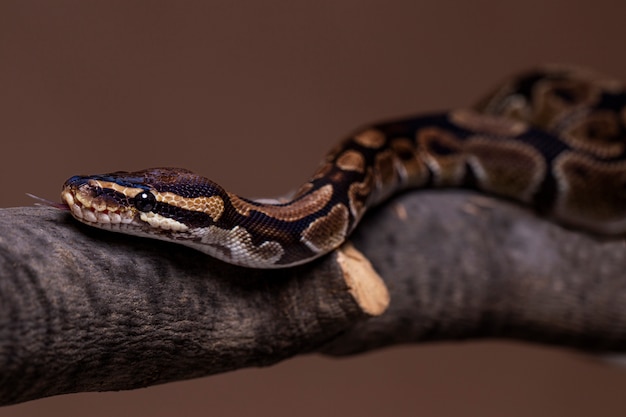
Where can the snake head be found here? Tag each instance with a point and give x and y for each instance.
(158, 202)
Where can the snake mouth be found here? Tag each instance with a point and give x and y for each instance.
(95, 212)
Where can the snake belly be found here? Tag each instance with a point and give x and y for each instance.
(552, 138)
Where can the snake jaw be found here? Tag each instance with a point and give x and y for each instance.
(87, 206)
(98, 201)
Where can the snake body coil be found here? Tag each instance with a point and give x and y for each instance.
(554, 139)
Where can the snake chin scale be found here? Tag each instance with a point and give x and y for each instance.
(161, 222)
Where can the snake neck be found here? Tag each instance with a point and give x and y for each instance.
(315, 221)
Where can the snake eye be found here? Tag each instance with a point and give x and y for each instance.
(144, 201)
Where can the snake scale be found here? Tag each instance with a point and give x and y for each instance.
(552, 138)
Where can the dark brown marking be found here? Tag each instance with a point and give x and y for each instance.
(555, 99)
(443, 152)
(415, 171)
(598, 133)
(591, 192)
(506, 168)
(327, 232)
(385, 168)
(358, 194)
(337, 177)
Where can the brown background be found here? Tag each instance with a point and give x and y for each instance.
(252, 93)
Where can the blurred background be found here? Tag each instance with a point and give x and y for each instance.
(252, 94)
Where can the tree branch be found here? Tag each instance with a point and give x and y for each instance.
(86, 310)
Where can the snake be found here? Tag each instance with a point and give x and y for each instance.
(552, 138)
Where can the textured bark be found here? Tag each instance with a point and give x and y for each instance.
(86, 310)
(464, 266)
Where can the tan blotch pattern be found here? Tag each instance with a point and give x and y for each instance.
(370, 138)
(351, 161)
(327, 232)
(506, 168)
(303, 207)
(597, 134)
(591, 192)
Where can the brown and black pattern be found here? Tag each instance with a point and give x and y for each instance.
(553, 138)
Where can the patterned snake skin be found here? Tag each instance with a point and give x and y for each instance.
(553, 139)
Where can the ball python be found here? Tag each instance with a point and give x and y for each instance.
(552, 138)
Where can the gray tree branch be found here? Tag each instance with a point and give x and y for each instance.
(86, 310)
